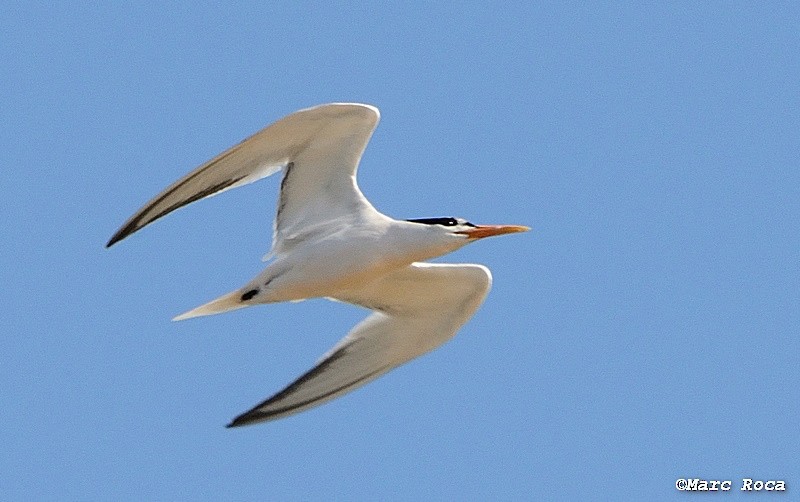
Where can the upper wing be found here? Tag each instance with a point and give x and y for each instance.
(417, 308)
(318, 150)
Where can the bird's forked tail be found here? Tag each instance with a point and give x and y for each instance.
(224, 303)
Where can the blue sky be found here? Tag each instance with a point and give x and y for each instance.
(645, 330)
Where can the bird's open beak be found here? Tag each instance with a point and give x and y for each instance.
(481, 231)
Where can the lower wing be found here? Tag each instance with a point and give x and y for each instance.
(416, 309)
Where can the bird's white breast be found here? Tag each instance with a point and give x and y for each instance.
(349, 257)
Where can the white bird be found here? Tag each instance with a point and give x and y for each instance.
(329, 241)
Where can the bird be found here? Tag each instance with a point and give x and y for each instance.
(330, 242)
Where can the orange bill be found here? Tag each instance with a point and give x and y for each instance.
(481, 231)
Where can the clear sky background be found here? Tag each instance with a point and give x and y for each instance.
(645, 330)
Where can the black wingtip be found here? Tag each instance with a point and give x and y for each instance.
(248, 418)
(121, 234)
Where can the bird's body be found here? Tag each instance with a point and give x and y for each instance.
(363, 252)
(329, 241)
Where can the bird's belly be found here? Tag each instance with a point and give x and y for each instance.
(306, 275)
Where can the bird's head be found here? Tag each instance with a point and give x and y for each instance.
(461, 227)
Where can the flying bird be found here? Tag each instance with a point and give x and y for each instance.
(329, 241)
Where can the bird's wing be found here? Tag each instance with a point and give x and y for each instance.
(318, 150)
(417, 308)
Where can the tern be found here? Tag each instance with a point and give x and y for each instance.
(329, 241)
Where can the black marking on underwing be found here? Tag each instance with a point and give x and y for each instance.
(282, 193)
(250, 294)
(255, 415)
(135, 224)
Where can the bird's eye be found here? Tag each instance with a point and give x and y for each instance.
(446, 222)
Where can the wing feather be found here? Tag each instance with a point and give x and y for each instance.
(417, 309)
(324, 144)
